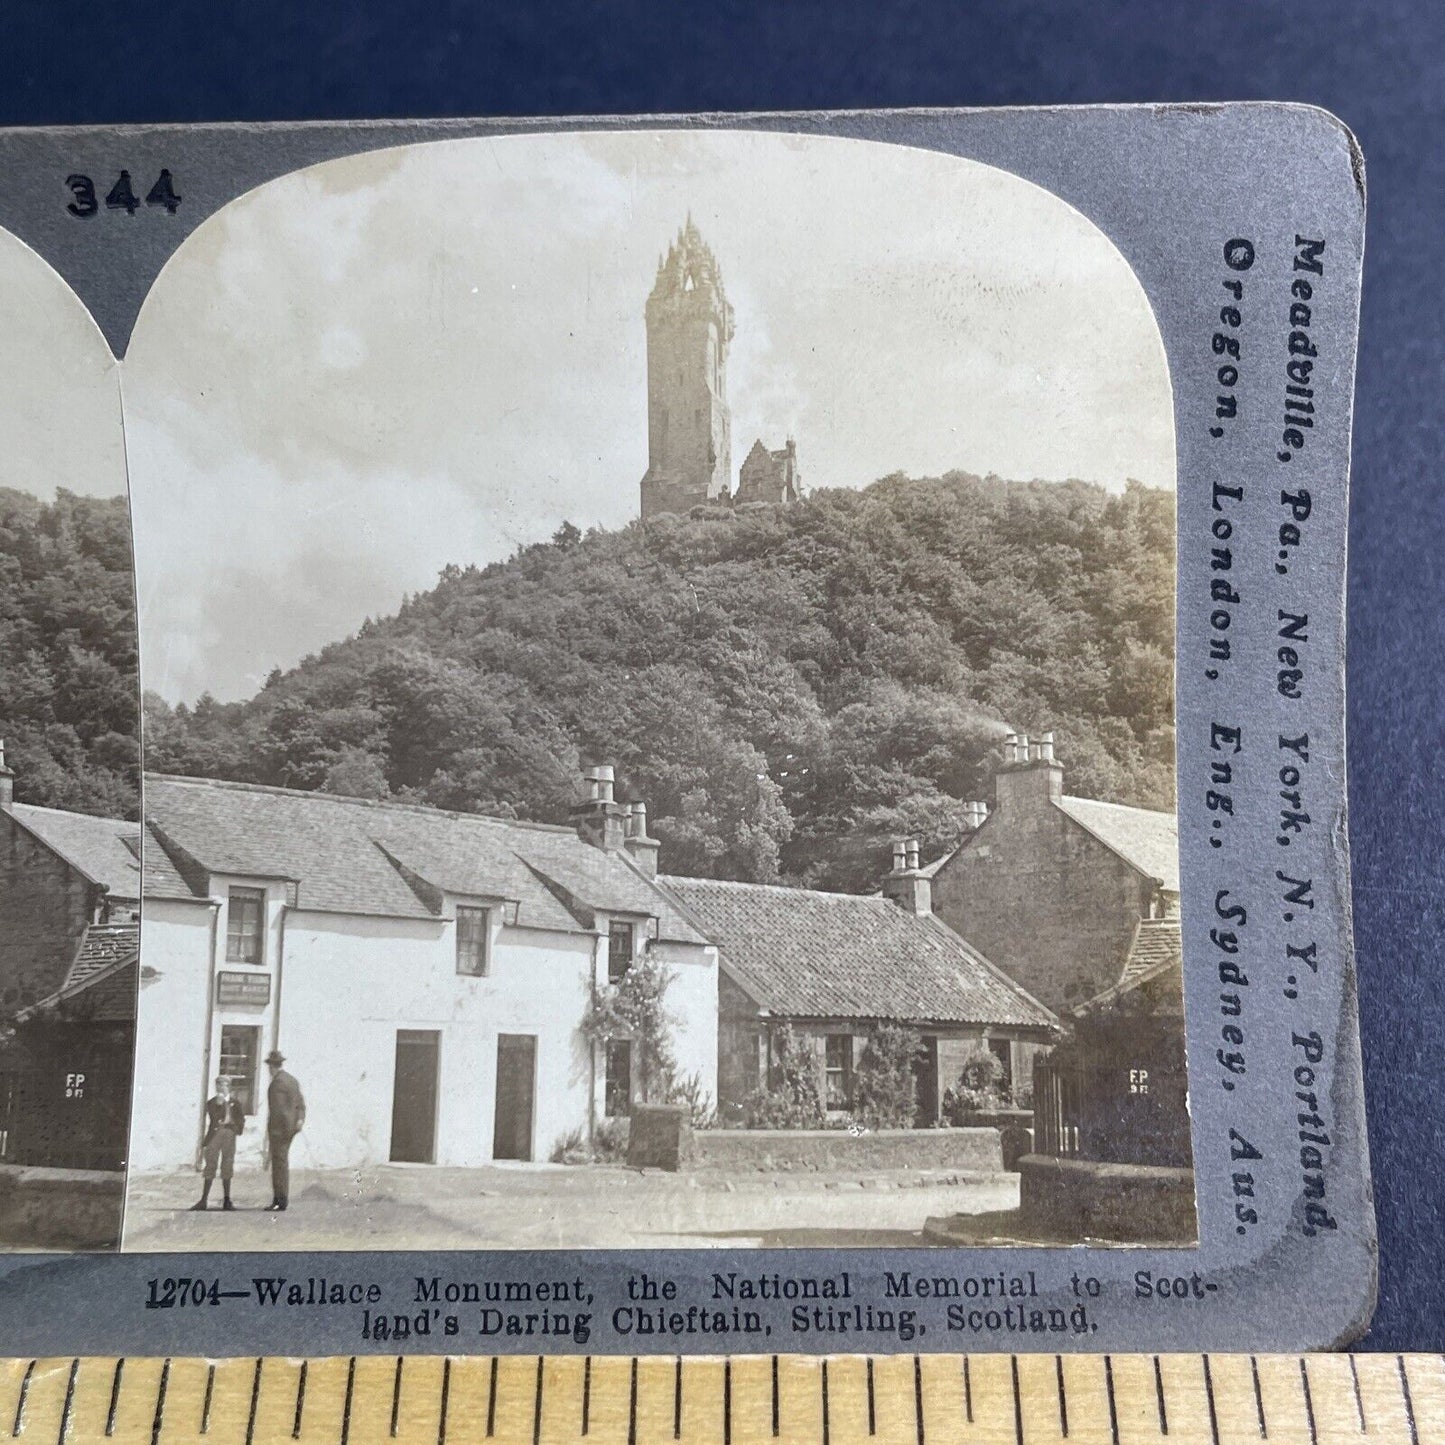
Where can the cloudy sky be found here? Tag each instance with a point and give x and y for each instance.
(362, 372)
(59, 388)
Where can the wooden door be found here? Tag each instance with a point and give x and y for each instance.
(414, 1097)
(516, 1085)
(925, 1074)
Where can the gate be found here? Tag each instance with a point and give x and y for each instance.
(1056, 1110)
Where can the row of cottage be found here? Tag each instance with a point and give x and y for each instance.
(426, 974)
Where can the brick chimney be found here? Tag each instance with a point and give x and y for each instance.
(1030, 776)
(7, 782)
(600, 820)
(640, 848)
(907, 885)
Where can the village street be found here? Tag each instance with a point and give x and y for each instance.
(556, 1207)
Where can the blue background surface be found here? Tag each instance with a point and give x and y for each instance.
(1379, 66)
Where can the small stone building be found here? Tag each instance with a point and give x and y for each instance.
(1052, 887)
(769, 478)
(67, 1060)
(1122, 1081)
(60, 872)
(832, 966)
(70, 887)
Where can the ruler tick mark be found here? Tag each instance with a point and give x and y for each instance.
(967, 1392)
(677, 1398)
(161, 1401)
(632, 1405)
(446, 1395)
(586, 1391)
(825, 1401)
(727, 1402)
(300, 1402)
(1304, 1379)
(775, 1396)
(872, 1423)
(492, 1401)
(918, 1397)
(115, 1399)
(1113, 1408)
(1063, 1403)
(1209, 1396)
(346, 1405)
(396, 1397)
(1359, 1402)
(69, 1402)
(1159, 1398)
(1258, 1398)
(1409, 1403)
(255, 1397)
(1018, 1401)
(537, 1405)
(24, 1394)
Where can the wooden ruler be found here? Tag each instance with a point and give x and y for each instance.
(838, 1400)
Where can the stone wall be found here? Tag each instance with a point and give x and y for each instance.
(60, 1208)
(837, 1150)
(45, 906)
(1079, 1199)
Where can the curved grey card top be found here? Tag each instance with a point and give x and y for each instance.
(1244, 226)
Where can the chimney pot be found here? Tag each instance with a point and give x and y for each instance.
(1021, 749)
(640, 848)
(1046, 747)
(907, 885)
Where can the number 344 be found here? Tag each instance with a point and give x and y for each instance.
(121, 196)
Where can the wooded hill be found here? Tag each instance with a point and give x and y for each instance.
(786, 688)
(69, 686)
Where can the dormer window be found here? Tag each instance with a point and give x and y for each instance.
(621, 950)
(474, 936)
(246, 926)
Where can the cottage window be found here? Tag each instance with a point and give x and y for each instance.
(838, 1071)
(473, 941)
(240, 1049)
(618, 1088)
(621, 950)
(246, 926)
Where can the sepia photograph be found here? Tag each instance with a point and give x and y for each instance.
(70, 847)
(658, 654)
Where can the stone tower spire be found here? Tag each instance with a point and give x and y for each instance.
(689, 431)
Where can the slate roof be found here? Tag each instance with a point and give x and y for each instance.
(100, 985)
(1156, 953)
(105, 850)
(1147, 840)
(351, 855)
(805, 954)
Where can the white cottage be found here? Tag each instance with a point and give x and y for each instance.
(425, 973)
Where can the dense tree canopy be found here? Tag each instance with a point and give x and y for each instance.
(69, 685)
(786, 688)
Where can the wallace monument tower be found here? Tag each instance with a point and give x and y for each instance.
(689, 430)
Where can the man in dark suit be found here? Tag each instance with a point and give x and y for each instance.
(286, 1113)
(225, 1119)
